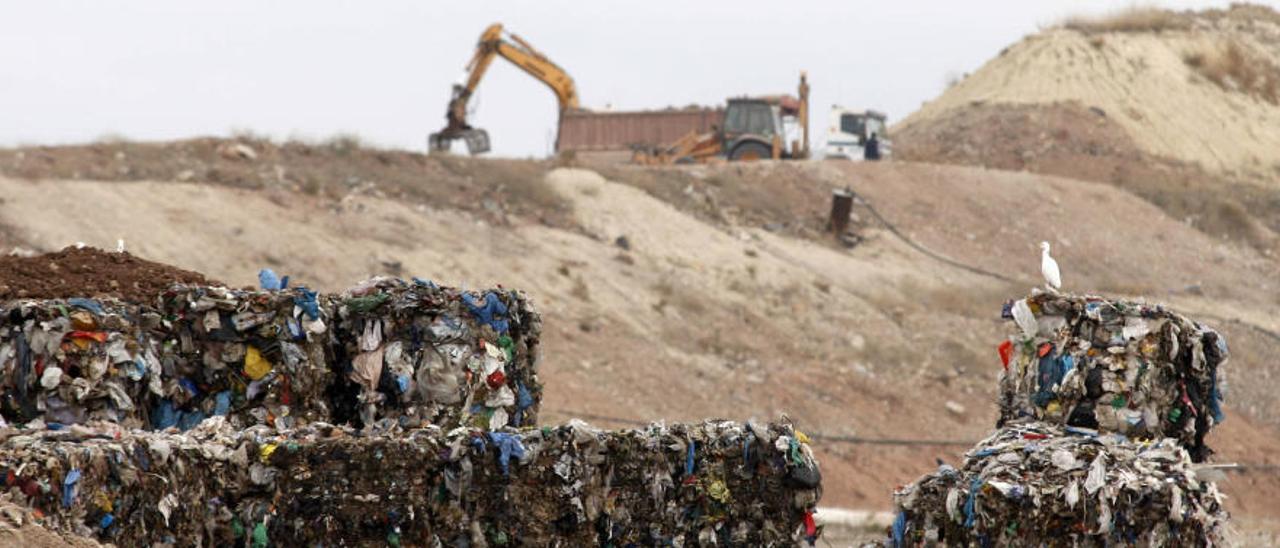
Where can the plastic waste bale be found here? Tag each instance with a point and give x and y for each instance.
(572, 485)
(414, 353)
(1115, 366)
(260, 356)
(194, 353)
(717, 482)
(73, 360)
(1038, 484)
(132, 488)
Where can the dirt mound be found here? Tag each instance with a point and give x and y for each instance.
(1071, 140)
(1199, 88)
(90, 272)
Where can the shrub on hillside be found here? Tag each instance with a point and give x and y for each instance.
(1235, 67)
(1135, 19)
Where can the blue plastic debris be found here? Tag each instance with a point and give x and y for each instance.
(189, 419)
(270, 281)
(222, 403)
(164, 415)
(69, 487)
(87, 304)
(899, 530)
(969, 504)
(491, 311)
(509, 445)
(689, 458)
(190, 386)
(524, 399)
(306, 300)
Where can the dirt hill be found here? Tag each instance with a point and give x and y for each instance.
(684, 293)
(1182, 108)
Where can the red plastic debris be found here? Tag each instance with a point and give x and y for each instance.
(1006, 353)
(496, 379)
(99, 336)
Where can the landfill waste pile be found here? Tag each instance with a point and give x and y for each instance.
(1115, 366)
(411, 353)
(1104, 406)
(397, 412)
(417, 353)
(717, 482)
(1039, 484)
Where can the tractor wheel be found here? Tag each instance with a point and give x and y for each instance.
(750, 151)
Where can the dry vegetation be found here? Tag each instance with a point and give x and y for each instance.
(1134, 19)
(1235, 67)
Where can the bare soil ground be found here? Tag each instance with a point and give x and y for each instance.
(89, 272)
(727, 299)
(1072, 140)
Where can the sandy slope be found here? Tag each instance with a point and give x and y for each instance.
(1142, 82)
(697, 320)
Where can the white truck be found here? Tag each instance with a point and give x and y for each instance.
(849, 130)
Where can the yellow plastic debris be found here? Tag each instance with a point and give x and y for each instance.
(266, 451)
(255, 366)
(103, 501)
(82, 320)
(719, 491)
(800, 437)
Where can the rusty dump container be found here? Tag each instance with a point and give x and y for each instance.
(587, 131)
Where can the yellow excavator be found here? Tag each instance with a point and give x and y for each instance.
(496, 42)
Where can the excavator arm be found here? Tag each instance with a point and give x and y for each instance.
(494, 42)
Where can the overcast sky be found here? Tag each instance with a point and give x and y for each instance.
(73, 71)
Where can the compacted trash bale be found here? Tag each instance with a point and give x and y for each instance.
(715, 483)
(385, 353)
(1114, 366)
(417, 353)
(195, 352)
(1038, 484)
(260, 356)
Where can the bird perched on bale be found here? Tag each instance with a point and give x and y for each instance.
(1049, 267)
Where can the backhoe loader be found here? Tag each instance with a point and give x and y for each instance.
(495, 42)
(754, 128)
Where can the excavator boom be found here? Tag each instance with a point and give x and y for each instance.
(494, 42)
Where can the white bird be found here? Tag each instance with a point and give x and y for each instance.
(1049, 267)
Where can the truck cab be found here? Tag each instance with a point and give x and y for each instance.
(849, 130)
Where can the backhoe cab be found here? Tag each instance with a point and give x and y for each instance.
(757, 128)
